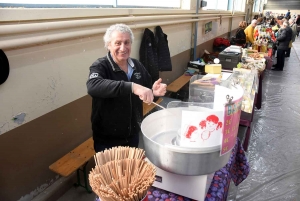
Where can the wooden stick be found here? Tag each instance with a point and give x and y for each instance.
(121, 174)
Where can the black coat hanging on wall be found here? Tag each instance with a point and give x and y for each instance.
(154, 52)
(148, 54)
(4, 67)
(163, 52)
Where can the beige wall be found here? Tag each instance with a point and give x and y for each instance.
(45, 77)
(47, 83)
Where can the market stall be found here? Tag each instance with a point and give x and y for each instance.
(193, 145)
(250, 73)
(247, 67)
(263, 38)
(193, 161)
(236, 170)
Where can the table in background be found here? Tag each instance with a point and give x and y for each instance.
(246, 118)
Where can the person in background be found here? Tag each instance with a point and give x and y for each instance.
(288, 15)
(275, 29)
(118, 86)
(298, 20)
(273, 22)
(294, 33)
(249, 32)
(268, 15)
(283, 39)
(240, 36)
(264, 20)
(259, 21)
(298, 24)
(280, 17)
(277, 26)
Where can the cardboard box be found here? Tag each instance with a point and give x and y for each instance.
(213, 68)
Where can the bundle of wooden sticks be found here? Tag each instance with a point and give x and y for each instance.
(121, 174)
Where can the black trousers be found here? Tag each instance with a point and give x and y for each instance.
(280, 59)
(288, 52)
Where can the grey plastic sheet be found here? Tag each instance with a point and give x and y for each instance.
(274, 150)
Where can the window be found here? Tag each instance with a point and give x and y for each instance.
(239, 5)
(256, 5)
(90, 3)
(152, 3)
(211, 5)
(216, 5)
(57, 3)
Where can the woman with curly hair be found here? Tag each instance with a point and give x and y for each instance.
(240, 36)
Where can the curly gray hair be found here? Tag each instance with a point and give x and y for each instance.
(123, 28)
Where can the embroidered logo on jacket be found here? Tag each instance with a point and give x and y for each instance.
(93, 75)
(137, 76)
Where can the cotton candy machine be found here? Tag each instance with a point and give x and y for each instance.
(161, 143)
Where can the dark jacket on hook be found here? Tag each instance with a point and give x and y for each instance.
(148, 54)
(163, 52)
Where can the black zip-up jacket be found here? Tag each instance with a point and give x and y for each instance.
(116, 111)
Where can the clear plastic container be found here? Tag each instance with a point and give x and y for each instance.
(200, 93)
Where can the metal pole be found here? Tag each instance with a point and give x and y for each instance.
(232, 12)
(196, 32)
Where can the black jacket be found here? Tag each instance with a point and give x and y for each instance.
(116, 111)
(148, 54)
(284, 37)
(298, 21)
(240, 37)
(154, 52)
(163, 52)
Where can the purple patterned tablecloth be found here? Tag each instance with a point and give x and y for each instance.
(237, 170)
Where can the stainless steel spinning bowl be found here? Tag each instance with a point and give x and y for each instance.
(159, 133)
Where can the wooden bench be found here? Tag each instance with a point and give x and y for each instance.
(74, 160)
(78, 158)
(177, 84)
